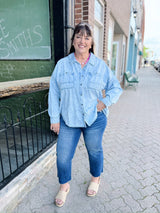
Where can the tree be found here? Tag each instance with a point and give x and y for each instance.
(145, 52)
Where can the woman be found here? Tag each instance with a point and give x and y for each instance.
(81, 89)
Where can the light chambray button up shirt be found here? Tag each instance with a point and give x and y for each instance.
(74, 91)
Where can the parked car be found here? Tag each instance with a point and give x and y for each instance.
(152, 62)
(157, 66)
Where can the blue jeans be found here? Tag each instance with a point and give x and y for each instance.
(67, 142)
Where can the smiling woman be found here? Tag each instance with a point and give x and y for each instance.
(82, 43)
(81, 89)
(81, 32)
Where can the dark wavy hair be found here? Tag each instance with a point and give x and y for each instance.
(83, 28)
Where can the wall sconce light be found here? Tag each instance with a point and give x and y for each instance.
(135, 13)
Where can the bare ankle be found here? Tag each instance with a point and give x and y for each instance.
(95, 179)
(64, 186)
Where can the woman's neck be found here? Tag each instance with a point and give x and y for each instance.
(82, 58)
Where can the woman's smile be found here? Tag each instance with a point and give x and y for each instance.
(82, 42)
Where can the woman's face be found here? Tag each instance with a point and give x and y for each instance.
(82, 43)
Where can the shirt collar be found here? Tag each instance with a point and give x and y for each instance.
(92, 59)
(72, 59)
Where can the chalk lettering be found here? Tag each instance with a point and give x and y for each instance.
(19, 38)
(12, 46)
(4, 52)
(29, 38)
(36, 30)
(23, 40)
(2, 30)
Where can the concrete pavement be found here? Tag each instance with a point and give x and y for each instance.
(131, 178)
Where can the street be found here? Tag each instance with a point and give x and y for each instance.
(131, 178)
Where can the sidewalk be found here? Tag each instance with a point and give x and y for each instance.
(131, 178)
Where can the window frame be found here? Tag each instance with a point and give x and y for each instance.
(100, 26)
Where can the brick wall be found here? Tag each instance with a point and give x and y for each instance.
(84, 11)
(78, 11)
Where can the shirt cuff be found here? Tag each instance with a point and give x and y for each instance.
(106, 101)
(54, 120)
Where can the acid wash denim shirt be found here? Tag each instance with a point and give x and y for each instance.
(74, 91)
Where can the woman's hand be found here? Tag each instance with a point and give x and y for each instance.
(55, 128)
(100, 106)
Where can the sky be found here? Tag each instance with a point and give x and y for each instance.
(152, 26)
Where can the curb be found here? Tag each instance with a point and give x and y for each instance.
(16, 190)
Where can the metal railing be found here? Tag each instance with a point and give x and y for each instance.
(23, 137)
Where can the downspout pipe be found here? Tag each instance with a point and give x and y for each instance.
(58, 23)
(69, 24)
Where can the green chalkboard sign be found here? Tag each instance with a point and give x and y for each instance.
(24, 30)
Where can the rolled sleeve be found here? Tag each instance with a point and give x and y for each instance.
(113, 90)
(54, 99)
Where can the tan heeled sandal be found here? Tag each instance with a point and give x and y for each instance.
(94, 187)
(62, 195)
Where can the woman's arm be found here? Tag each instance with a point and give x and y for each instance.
(54, 98)
(113, 89)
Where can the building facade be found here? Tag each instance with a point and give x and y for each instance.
(136, 35)
(33, 37)
(113, 25)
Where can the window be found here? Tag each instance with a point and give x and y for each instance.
(98, 11)
(123, 59)
(25, 30)
(114, 58)
(99, 27)
(110, 40)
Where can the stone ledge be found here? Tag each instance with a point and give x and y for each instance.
(16, 190)
(10, 88)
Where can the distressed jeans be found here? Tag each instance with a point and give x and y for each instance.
(67, 142)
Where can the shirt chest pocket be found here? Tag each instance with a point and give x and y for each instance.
(66, 85)
(66, 80)
(96, 84)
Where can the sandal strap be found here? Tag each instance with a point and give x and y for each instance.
(62, 195)
(93, 186)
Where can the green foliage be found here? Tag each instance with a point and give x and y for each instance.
(145, 52)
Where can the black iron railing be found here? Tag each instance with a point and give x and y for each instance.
(23, 137)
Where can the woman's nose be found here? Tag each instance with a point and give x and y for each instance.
(82, 40)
